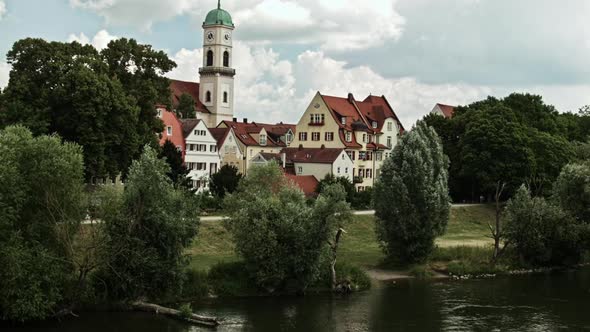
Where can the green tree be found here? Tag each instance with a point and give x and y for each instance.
(572, 191)
(331, 179)
(541, 232)
(66, 88)
(186, 107)
(148, 227)
(225, 181)
(411, 196)
(140, 70)
(41, 206)
(281, 239)
(178, 172)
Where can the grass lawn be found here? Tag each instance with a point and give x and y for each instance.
(467, 227)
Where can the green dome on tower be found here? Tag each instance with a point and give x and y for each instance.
(218, 16)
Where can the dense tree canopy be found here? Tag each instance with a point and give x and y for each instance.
(515, 140)
(41, 182)
(103, 101)
(225, 181)
(148, 227)
(412, 197)
(281, 239)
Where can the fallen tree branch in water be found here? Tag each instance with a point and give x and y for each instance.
(177, 314)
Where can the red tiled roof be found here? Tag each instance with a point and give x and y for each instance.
(188, 125)
(220, 135)
(307, 183)
(372, 109)
(311, 155)
(447, 110)
(178, 88)
(243, 131)
(170, 120)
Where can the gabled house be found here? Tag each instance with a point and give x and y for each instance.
(201, 158)
(228, 147)
(444, 110)
(254, 138)
(367, 130)
(318, 162)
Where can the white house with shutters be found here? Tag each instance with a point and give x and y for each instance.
(201, 157)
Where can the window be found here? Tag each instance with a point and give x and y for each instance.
(346, 170)
(338, 170)
(225, 96)
(262, 139)
(378, 156)
(212, 168)
(389, 142)
(343, 120)
(348, 136)
(299, 170)
(317, 119)
(226, 59)
(362, 173)
(369, 155)
(212, 148)
(364, 138)
(303, 136)
(208, 97)
(159, 113)
(374, 124)
(315, 136)
(179, 148)
(369, 173)
(389, 126)
(329, 137)
(201, 166)
(370, 138)
(289, 137)
(209, 58)
(351, 154)
(169, 131)
(362, 155)
(361, 189)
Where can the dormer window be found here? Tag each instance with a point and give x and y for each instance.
(262, 139)
(348, 136)
(169, 131)
(343, 120)
(159, 112)
(374, 124)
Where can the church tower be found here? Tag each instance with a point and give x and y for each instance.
(216, 89)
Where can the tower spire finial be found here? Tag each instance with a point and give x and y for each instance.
(218, 4)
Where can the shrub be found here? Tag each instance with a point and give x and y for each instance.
(279, 237)
(542, 233)
(195, 285)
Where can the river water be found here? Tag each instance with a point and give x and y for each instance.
(540, 302)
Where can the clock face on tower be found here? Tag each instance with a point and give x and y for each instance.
(210, 36)
(227, 36)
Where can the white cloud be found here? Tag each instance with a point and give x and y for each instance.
(334, 25)
(137, 13)
(2, 9)
(270, 89)
(4, 74)
(99, 41)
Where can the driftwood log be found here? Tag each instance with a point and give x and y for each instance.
(176, 314)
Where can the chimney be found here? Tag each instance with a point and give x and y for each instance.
(323, 147)
(235, 119)
(245, 120)
(350, 98)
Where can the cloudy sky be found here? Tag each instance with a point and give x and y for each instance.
(415, 52)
